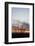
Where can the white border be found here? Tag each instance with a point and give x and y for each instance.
(10, 24)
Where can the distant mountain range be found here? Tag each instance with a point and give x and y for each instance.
(18, 24)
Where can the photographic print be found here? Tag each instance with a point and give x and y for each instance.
(19, 22)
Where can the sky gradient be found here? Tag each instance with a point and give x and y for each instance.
(21, 14)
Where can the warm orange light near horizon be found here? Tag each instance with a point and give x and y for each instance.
(20, 30)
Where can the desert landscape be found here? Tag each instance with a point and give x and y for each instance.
(20, 22)
(20, 29)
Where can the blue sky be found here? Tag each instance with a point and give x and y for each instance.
(21, 14)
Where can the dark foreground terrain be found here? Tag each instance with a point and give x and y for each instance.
(20, 35)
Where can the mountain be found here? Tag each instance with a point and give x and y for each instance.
(20, 25)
